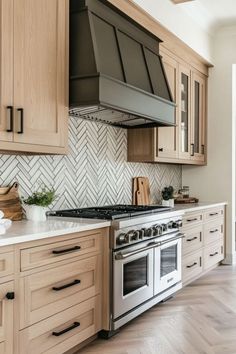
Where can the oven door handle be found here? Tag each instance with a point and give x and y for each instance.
(120, 255)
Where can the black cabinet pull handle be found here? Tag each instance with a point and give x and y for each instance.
(191, 220)
(10, 295)
(192, 150)
(192, 239)
(213, 254)
(213, 214)
(21, 110)
(203, 149)
(213, 231)
(11, 125)
(76, 248)
(160, 149)
(58, 288)
(192, 265)
(57, 334)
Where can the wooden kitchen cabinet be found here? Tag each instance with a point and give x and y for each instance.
(6, 317)
(203, 245)
(34, 76)
(185, 143)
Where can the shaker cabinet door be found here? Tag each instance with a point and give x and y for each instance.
(6, 70)
(198, 117)
(185, 113)
(167, 139)
(40, 72)
(6, 318)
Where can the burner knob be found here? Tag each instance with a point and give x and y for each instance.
(133, 235)
(164, 227)
(149, 232)
(176, 224)
(122, 238)
(141, 233)
(158, 230)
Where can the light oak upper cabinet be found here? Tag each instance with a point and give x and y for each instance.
(168, 137)
(6, 70)
(38, 119)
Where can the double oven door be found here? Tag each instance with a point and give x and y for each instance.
(132, 280)
(141, 272)
(167, 265)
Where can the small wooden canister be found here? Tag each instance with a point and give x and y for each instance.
(10, 203)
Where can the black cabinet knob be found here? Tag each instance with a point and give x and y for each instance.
(10, 296)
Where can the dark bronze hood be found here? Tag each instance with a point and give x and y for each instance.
(116, 72)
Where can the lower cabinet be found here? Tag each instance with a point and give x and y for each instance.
(52, 293)
(6, 317)
(203, 245)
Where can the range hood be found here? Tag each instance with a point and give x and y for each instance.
(116, 73)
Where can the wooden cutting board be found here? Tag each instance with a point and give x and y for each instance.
(10, 202)
(141, 191)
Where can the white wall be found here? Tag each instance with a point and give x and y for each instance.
(217, 179)
(177, 20)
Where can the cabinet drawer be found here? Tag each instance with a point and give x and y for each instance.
(193, 219)
(193, 240)
(6, 264)
(213, 231)
(213, 254)
(192, 266)
(63, 331)
(50, 253)
(213, 213)
(45, 293)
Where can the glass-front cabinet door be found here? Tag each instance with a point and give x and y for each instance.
(184, 112)
(198, 117)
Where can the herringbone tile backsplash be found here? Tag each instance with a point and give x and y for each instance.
(95, 172)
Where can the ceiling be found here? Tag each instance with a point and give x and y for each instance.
(211, 14)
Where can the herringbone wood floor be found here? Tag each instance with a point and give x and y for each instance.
(200, 319)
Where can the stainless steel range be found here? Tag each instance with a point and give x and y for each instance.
(145, 246)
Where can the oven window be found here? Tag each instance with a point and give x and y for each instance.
(168, 260)
(135, 275)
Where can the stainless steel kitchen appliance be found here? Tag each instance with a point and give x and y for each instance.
(145, 248)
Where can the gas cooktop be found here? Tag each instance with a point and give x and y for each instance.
(110, 212)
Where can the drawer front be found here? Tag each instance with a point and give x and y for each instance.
(213, 231)
(214, 213)
(6, 264)
(54, 252)
(192, 266)
(193, 239)
(46, 293)
(192, 219)
(63, 331)
(213, 254)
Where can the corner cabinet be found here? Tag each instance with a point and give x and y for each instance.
(34, 76)
(186, 142)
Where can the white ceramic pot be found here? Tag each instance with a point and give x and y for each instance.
(35, 212)
(169, 203)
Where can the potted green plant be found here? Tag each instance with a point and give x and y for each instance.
(36, 205)
(168, 196)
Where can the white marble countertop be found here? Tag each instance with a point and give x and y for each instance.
(25, 231)
(198, 206)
